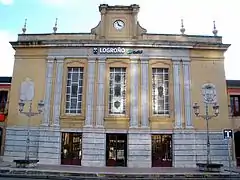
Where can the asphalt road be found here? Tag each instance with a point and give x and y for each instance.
(4, 178)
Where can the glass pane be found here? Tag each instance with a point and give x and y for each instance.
(80, 90)
(80, 82)
(67, 105)
(117, 77)
(73, 103)
(75, 77)
(74, 90)
(68, 90)
(81, 75)
(79, 97)
(68, 98)
(117, 90)
(75, 69)
(73, 111)
(69, 75)
(68, 82)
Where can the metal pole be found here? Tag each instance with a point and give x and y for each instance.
(208, 141)
(229, 156)
(29, 113)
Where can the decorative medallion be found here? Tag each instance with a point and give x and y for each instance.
(117, 104)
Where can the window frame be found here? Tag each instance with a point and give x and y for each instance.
(161, 63)
(117, 63)
(78, 63)
(70, 94)
(164, 98)
(234, 113)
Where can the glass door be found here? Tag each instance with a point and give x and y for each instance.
(162, 150)
(71, 148)
(116, 154)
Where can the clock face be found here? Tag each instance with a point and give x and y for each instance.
(118, 24)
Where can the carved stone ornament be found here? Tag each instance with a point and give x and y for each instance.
(27, 90)
(209, 93)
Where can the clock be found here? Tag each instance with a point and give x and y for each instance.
(118, 24)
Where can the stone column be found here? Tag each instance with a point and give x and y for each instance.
(100, 92)
(144, 93)
(187, 93)
(48, 91)
(177, 94)
(134, 94)
(90, 93)
(58, 91)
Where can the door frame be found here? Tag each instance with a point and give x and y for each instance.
(162, 163)
(122, 136)
(70, 160)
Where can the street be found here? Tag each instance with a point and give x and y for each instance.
(4, 178)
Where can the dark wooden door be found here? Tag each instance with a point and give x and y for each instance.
(161, 150)
(71, 148)
(116, 150)
(237, 147)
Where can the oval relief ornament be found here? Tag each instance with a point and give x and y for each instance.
(209, 93)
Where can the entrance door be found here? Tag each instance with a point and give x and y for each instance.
(237, 146)
(71, 148)
(161, 150)
(116, 147)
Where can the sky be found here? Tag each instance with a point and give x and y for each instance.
(157, 16)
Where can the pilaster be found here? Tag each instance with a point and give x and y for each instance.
(177, 93)
(58, 91)
(48, 91)
(144, 93)
(100, 92)
(187, 93)
(134, 94)
(90, 93)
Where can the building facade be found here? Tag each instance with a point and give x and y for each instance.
(5, 85)
(117, 96)
(233, 89)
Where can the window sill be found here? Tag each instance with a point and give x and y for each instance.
(72, 117)
(160, 118)
(116, 118)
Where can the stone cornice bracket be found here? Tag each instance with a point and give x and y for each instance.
(24, 29)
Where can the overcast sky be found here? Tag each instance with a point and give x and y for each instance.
(157, 16)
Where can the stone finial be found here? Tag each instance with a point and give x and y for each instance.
(55, 26)
(182, 30)
(24, 29)
(215, 31)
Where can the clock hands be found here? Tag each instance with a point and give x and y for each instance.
(119, 24)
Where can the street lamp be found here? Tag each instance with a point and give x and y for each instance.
(209, 94)
(29, 114)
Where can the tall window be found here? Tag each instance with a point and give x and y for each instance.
(235, 105)
(74, 90)
(160, 95)
(117, 91)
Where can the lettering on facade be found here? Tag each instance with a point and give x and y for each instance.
(116, 50)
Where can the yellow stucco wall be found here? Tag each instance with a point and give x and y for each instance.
(208, 67)
(29, 63)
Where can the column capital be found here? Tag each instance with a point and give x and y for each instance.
(144, 59)
(91, 60)
(134, 59)
(102, 59)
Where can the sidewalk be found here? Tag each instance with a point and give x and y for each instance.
(78, 172)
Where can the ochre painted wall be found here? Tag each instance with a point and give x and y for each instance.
(208, 67)
(29, 63)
